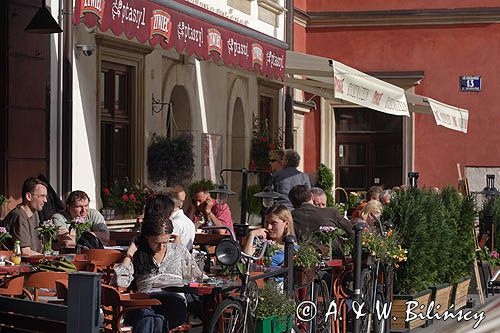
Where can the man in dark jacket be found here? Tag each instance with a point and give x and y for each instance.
(289, 176)
(307, 218)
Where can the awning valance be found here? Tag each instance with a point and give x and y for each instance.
(449, 116)
(333, 79)
(169, 26)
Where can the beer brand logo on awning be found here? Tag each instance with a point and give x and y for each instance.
(214, 38)
(161, 24)
(95, 7)
(257, 54)
(377, 97)
(339, 85)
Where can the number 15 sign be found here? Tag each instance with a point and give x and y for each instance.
(470, 83)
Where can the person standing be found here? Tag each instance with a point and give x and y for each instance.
(290, 176)
(22, 220)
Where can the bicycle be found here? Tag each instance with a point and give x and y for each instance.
(375, 280)
(233, 315)
(317, 293)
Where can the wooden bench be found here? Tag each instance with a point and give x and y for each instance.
(121, 224)
(32, 316)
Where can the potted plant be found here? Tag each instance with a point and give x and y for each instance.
(125, 198)
(305, 260)
(274, 310)
(325, 182)
(171, 159)
(49, 231)
(4, 234)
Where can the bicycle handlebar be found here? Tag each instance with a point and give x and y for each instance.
(261, 254)
(220, 228)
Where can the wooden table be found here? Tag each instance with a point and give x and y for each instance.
(15, 269)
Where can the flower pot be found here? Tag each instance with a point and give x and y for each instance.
(440, 295)
(459, 295)
(273, 325)
(303, 276)
(399, 308)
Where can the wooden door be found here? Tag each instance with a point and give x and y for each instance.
(116, 144)
(368, 149)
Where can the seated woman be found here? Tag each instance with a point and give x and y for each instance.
(372, 209)
(152, 258)
(279, 223)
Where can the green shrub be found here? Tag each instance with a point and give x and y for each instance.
(254, 204)
(437, 231)
(325, 182)
(273, 302)
(171, 160)
(204, 183)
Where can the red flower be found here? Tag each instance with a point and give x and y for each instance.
(106, 191)
(263, 139)
(272, 146)
(132, 197)
(125, 197)
(251, 165)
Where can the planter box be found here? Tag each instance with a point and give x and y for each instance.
(274, 325)
(440, 295)
(303, 276)
(460, 291)
(399, 310)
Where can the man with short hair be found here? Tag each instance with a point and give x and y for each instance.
(205, 208)
(307, 218)
(22, 220)
(183, 226)
(319, 197)
(77, 206)
(289, 177)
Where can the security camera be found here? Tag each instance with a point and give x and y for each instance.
(86, 49)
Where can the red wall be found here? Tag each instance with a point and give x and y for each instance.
(367, 5)
(312, 139)
(443, 53)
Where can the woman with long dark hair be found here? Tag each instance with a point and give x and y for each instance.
(153, 261)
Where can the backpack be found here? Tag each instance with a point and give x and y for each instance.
(88, 241)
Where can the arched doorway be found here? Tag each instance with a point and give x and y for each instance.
(237, 156)
(179, 113)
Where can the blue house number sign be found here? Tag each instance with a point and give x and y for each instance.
(470, 83)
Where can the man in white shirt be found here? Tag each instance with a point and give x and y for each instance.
(183, 226)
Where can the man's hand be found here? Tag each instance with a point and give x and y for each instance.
(209, 204)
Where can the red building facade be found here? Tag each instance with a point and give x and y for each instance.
(436, 41)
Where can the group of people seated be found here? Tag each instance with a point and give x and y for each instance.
(300, 212)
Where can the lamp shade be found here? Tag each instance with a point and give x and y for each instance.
(222, 189)
(43, 23)
(268, 193)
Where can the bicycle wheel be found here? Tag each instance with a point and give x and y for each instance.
(379, 324)
(322, 324)
(228, 317)
(366, 291)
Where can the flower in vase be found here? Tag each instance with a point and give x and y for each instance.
(80, 226)
(4, 234)
(48, 230)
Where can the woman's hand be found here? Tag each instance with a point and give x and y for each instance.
(258, 233)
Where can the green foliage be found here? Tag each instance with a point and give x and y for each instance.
(273, 302)
(3, 200)
(171, 160)
(254, 204)
(126, 196)
(436, 229)
(306, 256)
(490, 213)
(201, 183)
(325, 182)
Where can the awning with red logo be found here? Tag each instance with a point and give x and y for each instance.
(167, 25)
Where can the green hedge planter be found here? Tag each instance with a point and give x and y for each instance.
(440, 294)
(399, 310)
(274, 325)
(459, 295)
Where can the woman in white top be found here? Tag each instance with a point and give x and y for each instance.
(152, 261)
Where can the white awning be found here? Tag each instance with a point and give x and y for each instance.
(449, 116)
(332, 79)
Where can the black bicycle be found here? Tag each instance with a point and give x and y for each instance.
(234, 313)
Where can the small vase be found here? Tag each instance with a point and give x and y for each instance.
(47, 246)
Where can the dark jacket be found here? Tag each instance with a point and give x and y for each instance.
(287, 178)
(308, 218)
